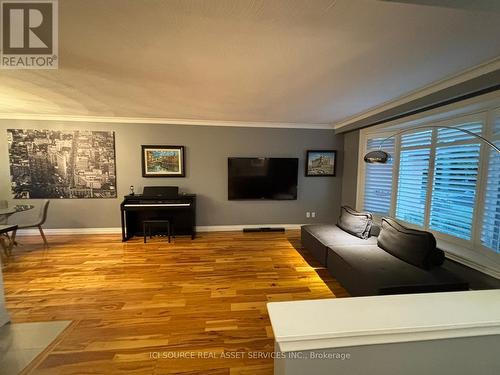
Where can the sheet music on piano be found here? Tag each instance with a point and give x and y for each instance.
(158, 202)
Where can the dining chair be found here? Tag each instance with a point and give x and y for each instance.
(7, 238)
(42, 216)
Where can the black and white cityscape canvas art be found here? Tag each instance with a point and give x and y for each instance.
(62, 163)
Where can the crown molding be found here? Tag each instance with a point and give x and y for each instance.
(432, 88)
(162, 121)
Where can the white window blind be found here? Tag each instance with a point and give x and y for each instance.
(421, 138)
(413, 177)
(454, 189)
(446, 135)
(378, 180)
(490, 235)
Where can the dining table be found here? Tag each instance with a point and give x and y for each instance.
(10, 210)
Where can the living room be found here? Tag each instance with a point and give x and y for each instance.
(250, 187)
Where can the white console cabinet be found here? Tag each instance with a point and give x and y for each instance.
(456, 333)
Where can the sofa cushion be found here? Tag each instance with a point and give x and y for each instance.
(317, 237)
(413, 246)
(332, 235)
(369, 270)
(354, 222)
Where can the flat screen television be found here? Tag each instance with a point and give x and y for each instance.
(262, 178)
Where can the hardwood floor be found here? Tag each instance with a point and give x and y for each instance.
(132, 302)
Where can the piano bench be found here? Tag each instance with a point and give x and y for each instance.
(147, 224)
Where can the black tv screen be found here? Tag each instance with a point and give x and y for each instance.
(262, 178)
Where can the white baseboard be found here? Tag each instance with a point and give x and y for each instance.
(67, 231)
(484, 268)
(118, 230)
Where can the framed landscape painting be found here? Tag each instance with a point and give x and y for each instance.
(163, 161)
(321, 163)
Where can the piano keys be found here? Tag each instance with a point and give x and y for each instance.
(158, 203)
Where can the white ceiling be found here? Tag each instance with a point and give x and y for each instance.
(288, 61)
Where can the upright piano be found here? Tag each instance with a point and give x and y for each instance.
(158, 202)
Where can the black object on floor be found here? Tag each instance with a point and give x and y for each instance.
(263, 229)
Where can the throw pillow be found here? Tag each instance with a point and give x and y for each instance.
(356, 223)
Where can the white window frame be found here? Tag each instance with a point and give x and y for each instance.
(360, 193)
(484, 165)
(430, 177)
(471, 252)
(481, 117)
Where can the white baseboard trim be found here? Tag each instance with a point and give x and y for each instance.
(117, 230)
(491, 271)
(162, 121)
(69, 231)
(470, 258)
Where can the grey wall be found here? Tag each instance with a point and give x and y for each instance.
(450, 356)
(207, 150)
(350, 168)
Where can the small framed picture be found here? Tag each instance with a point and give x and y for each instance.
(321, 163)
(163, 161)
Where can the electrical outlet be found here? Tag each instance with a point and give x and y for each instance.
(308, 214)
(313, 214)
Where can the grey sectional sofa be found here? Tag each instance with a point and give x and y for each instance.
(401, 261)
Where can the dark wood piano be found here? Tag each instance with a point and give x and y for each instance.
(158, 202)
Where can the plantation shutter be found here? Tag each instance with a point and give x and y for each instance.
(490, 235)
(455, 180)
(413, 177)
(378, 180)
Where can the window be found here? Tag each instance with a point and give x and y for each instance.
(413, 177)
(455, 180)
(454, 190)
(444, 179)
(490, 236)
(378, 180)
